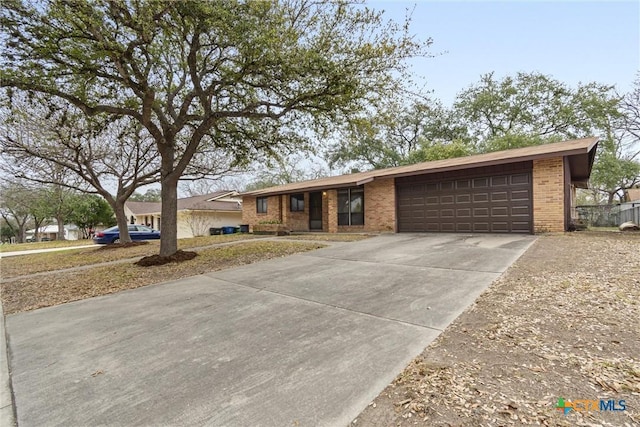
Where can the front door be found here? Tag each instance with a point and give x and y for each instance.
(315, 211)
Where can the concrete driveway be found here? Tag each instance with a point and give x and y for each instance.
(305, 340)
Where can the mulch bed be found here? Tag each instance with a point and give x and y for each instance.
(179, 256)
(111, 246)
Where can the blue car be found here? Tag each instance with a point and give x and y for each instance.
(136, 232)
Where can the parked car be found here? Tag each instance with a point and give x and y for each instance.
(136, 232)
(32, 239)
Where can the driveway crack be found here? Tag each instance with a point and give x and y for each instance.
(337, 307)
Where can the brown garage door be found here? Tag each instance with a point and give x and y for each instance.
(485, 200)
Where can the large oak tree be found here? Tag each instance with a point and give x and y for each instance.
(246, 76)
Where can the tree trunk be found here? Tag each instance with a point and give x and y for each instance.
(21, 232)
(169, 218)
(121, 218)
(36, 233)
(61, 230)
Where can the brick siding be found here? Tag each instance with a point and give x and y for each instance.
(252, 217)
(380, 205)
(548, 195)
(379, 210)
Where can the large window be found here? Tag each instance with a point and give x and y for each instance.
(351, 206)
(261, 205)
(297, 203)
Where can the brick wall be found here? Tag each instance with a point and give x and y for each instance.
(548, 195)
(251, 217)
(332, 211)
(296, 221)
(380, 205)
(379, 208)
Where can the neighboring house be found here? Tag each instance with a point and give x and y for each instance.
(632, 195)
(630, 211)
(50, 232)
(524, 190)
(196, 215)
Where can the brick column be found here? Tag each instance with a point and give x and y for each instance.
(548, 195)
(380, 205)
(332, 211)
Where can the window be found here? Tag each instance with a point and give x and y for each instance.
(297, 203)
(261, 205)
(351, 206)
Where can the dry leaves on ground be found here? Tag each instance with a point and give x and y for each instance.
(50, 261)
(561, 322)
(57, 288)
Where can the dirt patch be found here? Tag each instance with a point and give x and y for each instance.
(179, 256)
(112, 246)
(562, 322)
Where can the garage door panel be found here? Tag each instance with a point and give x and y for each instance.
(447, 200)
(500, 203)
(481, 183)
(521, 227)
(521, 178)
(500, 211)
(520, 211)
(447, 213)
(463, 184)
(499, 196)
(463, 213)
(481, 227)
(481, 197)
(520, 195)
(499, 181)
(447, 185)
(433, 213)
(417, 215)
(448, 227)
(430, 200)
(463, 227)
(500, 227)
(432, 226)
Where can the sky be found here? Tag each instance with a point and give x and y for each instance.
(572, 41)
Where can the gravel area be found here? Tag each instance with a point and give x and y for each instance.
(562, 322)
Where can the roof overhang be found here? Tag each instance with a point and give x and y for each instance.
(580, 152)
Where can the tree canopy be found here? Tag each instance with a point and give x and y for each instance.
(247, 77)
(500, 114)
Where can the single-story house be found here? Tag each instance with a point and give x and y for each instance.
(523, 190)
(71, 232)
(196, 215)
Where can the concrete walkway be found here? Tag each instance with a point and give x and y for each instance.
(40, 251)
(305, 340)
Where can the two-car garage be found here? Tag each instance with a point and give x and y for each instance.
(496, 199)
